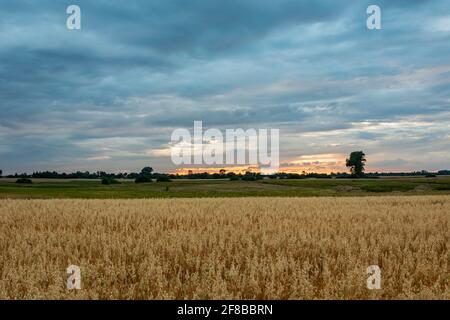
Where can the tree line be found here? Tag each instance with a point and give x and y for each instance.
(356, 163)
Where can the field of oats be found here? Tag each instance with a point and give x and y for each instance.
(226, 248)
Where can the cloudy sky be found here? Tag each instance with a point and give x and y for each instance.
(108, 96)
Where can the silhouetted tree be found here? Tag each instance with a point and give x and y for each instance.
(147, 171)
(356, 163)
(101, 174)
(252, 176)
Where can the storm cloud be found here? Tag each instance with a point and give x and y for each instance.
(108, 95)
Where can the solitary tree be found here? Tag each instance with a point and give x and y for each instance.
(147, 171)
(145, 176)
(356, 163)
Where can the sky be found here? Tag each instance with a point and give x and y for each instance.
(107, 97)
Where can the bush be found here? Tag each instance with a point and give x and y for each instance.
(430, 175)
(163, 178)
(109, 180)
(234, 178)
(251, 176)
(24, 181)
(143, 179)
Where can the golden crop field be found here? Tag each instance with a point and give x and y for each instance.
(229, 248)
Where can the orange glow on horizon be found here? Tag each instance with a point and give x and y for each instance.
(315, 163)
(211, 170)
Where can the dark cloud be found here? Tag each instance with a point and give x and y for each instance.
(138, 69)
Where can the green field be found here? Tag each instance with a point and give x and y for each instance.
(44, 188)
